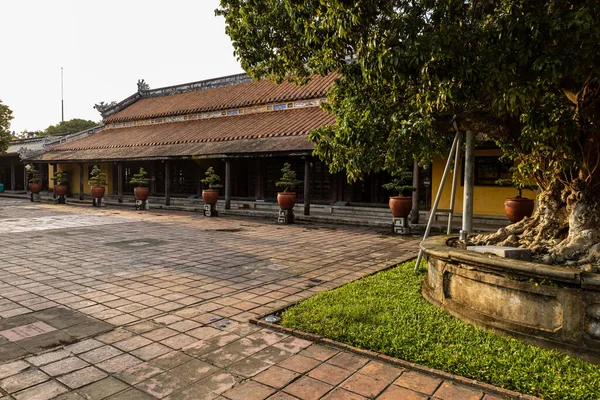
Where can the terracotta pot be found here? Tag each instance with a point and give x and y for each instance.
(286, 200)
(60, 190)
(98, 192)
(35, 188)
(141, 193)
(518, 208)
(210, 196)
(400, 206)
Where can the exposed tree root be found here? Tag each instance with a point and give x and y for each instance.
(564, 230)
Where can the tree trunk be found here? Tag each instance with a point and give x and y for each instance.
(565, 228)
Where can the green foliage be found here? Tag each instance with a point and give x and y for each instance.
(212, 179)
(288, 180)
(60, 178)
(401, 183)
(5, 136)
(140, 179)
(34, 175)
(67, 127)
(98, 177)
(523, 72)
(387, 314)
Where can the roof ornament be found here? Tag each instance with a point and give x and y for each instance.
(142, 86)
(102, 106)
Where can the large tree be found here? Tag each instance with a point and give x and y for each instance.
(67, 127)
(5, 136)
(523, 72)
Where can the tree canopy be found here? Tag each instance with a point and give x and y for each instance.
(67, 127)
(523, 72)
(5, 136)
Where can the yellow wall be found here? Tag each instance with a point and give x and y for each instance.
(487, 200)
(72, 170)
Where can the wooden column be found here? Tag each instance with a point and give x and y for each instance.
(25, 178)
(258, 192)
(306, 185)
(152, 178)
(227, 184)
(167, 183)
(81, 181)
(414, 216)
(13, 179)
(120, 182)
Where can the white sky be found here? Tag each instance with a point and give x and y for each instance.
(105, 47)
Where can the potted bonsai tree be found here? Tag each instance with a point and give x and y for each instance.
(212, 180)
(519, 207)
(401, 205)
(288, 181)
(97, 182)
(35, 179)
(140, 181)
(60, 178)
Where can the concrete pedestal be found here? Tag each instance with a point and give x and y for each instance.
(36, 198)
(210, 210)
(60, 199)
(98, 202)
(400, 226)
(142, 205)
(286, 217)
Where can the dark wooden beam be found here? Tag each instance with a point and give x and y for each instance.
(258, 191)
(25, 178)
(120, 182)
(306, 186)
(227, 184)
(167, 183)
(81, 189)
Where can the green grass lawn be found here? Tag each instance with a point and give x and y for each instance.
(386, 313)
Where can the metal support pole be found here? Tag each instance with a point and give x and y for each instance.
(438, 196)
(81, 181)
(227, 184)
(306, 185)
(25, 178)
(167, 184)
(414, 216)
(120, 182)
(454, 180)
(467, 217)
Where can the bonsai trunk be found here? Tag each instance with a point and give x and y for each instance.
(564, 229)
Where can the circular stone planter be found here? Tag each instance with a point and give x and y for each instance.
(210, 196)
(98, 192)
(286, 200)
(550, 306)
(141, 193)
(35, 188)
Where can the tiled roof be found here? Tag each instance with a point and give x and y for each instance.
(273, 131)
(221, 98)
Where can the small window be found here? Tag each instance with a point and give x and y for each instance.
(489, 169)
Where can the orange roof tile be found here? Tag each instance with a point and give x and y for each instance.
(243, 134)
(221, 98)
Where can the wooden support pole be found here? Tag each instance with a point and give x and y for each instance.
(167, 183)
(81, 181)
(306, 185)
(120, 182)
(227, 184)
(414, 215)
(258, 192)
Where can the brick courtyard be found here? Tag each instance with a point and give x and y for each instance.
(117, 304)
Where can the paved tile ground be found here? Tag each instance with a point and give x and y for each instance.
(179, 289)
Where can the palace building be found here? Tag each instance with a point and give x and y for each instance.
(246, 130)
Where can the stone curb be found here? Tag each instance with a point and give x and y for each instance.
(388, 359)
